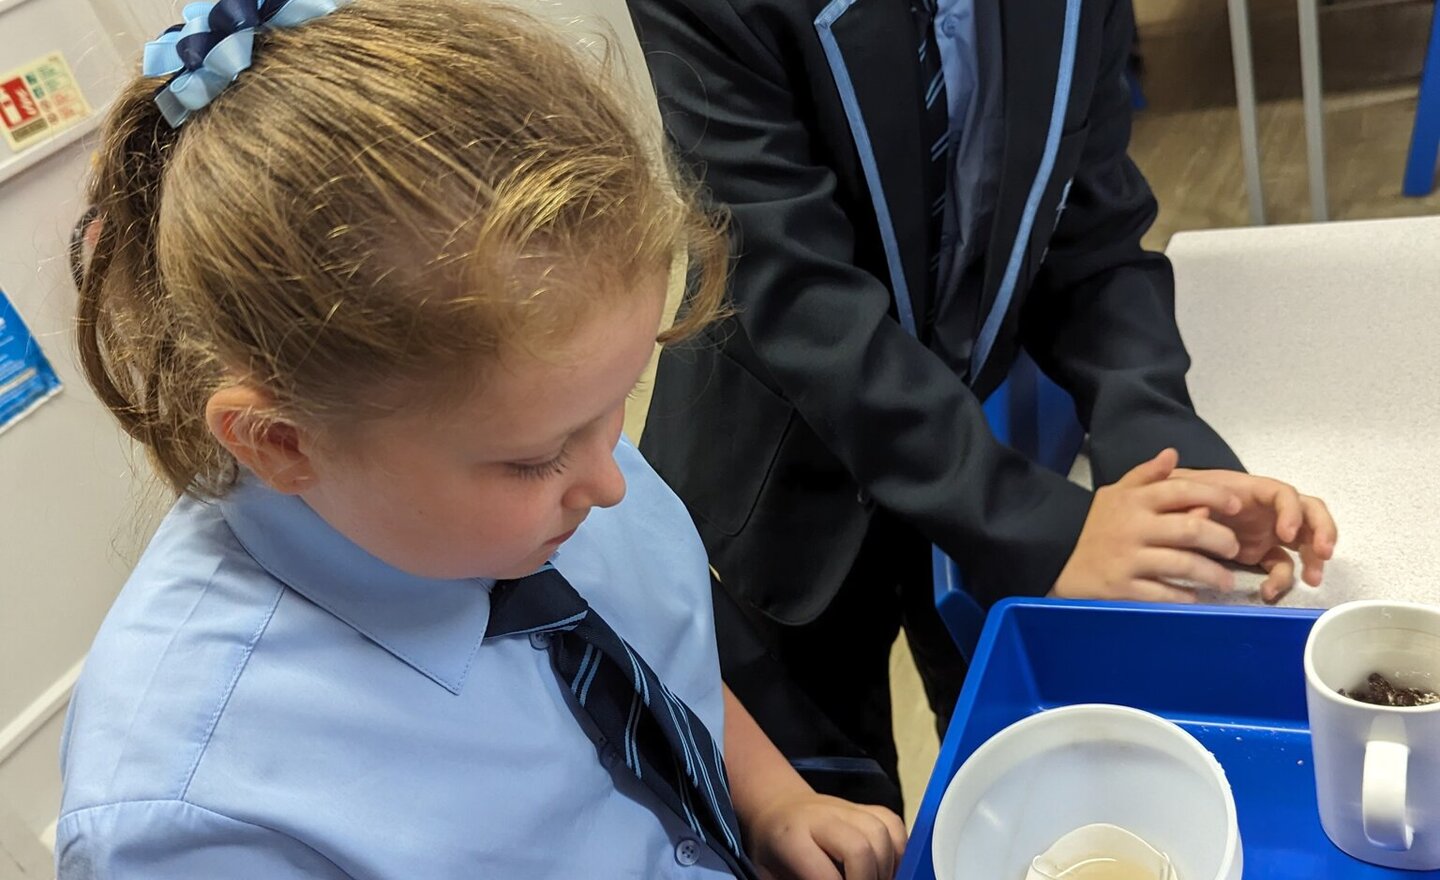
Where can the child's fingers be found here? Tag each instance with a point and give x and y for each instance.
(1189, 532)
(880, 843)
(802, 858)
(1289, 513)
(1279, 574)
(1321, 526)
(1313, 566)
(1152, 471)
(1146, 590)
(847, 845)
(894, 826)
(1315, 542)
(1184, 565)
(1179, 494)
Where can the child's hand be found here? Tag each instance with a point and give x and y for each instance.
(815, 837)
(1149, 528)
(1274, 516)
(792, 833)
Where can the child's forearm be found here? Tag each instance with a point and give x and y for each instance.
(790, 831)
(760, 776)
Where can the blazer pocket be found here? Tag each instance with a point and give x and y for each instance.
(743, 426)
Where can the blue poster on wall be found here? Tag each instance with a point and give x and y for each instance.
(26, 377)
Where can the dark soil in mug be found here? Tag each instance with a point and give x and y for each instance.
(1377, 690)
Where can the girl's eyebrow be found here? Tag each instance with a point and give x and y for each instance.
(564, 436)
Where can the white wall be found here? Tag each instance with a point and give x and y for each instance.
(68, 524)
(73, 514)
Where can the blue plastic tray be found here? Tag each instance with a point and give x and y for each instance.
(1232, 677)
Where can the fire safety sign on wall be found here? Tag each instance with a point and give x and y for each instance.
(38, 100)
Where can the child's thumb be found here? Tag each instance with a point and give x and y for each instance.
(1152, 471)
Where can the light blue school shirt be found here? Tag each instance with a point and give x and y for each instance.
(267, 701)
(968, 35)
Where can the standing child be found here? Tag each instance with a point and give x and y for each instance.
(372, 286)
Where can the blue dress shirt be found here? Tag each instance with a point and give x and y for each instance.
(967, 32)
(266, 701)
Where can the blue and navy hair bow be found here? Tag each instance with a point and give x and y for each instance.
(205, 53)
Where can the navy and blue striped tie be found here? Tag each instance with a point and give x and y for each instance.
(664, 744)
(935, 128)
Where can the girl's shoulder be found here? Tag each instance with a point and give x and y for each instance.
(163, 660)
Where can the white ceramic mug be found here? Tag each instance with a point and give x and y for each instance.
(1377, 768)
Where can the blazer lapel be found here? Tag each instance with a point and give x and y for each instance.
(1040, 42)
(870, 47)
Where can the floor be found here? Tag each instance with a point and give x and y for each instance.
(1187, 143)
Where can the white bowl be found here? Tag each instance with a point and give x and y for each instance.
(1051, 773)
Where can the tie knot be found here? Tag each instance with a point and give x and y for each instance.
(541, 602)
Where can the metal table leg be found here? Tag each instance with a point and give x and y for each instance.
(1245, 99)
(1314, 106)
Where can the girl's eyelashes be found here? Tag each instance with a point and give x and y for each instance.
(541, 470)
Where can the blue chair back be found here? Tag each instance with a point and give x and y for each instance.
(1425, 139)
(1036, 417)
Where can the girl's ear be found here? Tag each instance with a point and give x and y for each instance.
(241, 418)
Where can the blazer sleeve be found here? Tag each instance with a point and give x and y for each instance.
(907, 429)
(1100, 319)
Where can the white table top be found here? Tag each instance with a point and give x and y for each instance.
(1316, 355)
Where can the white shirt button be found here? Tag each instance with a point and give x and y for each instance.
(950, 26)
(541, 641)
(687, 852)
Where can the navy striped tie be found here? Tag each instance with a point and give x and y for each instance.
(935, 127)
(664, 744)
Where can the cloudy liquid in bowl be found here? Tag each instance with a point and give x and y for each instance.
(1113, 869)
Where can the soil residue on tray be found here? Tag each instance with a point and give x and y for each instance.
(1378, 691)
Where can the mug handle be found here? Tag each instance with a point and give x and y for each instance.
(1383, 796)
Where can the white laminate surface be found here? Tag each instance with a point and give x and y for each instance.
(1316, 354)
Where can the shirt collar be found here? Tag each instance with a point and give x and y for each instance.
(434, 626)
